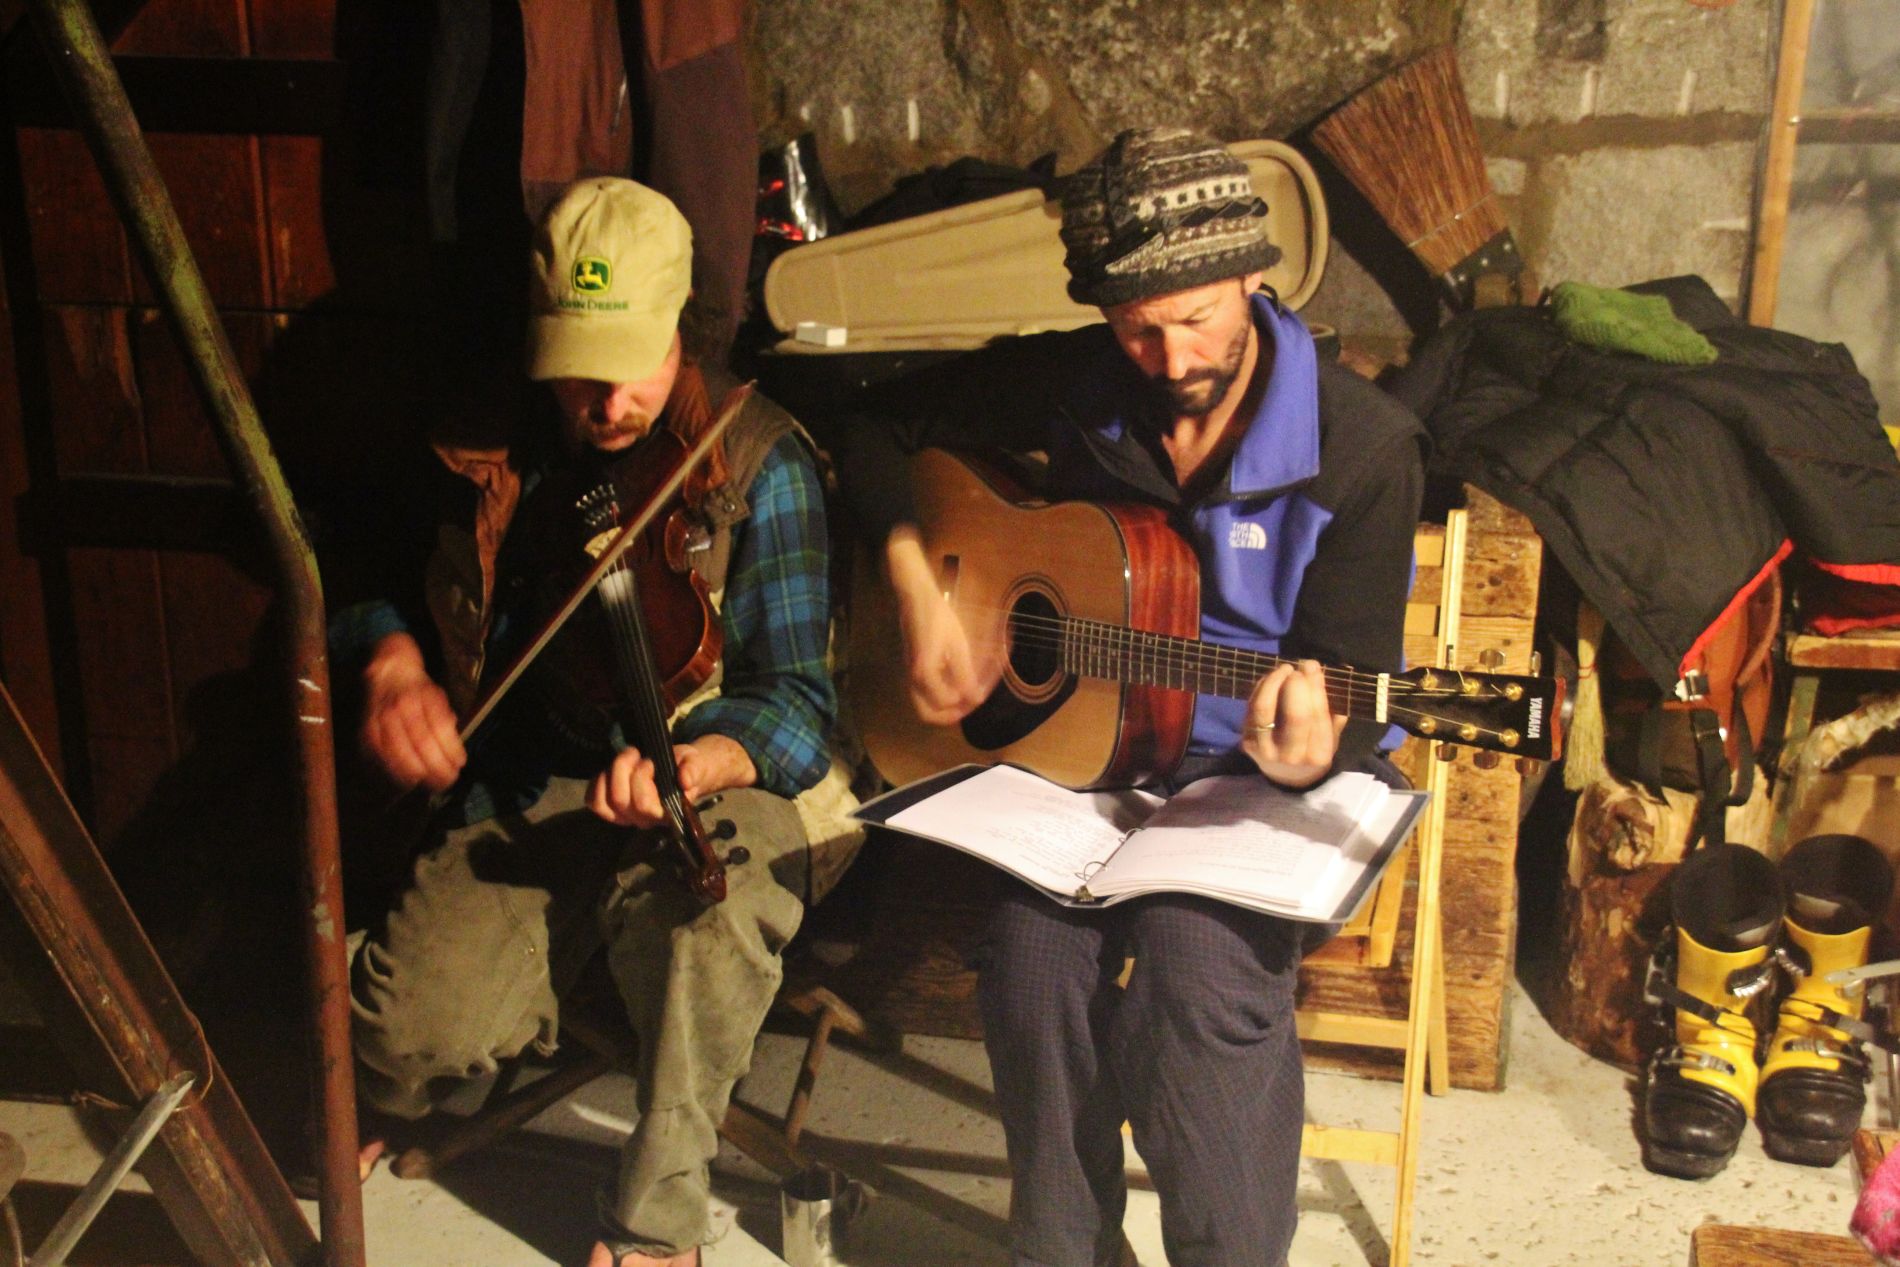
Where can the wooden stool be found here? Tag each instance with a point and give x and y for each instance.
(1723, 1245)
(1809, 656)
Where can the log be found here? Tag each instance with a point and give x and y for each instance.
(1624, 844)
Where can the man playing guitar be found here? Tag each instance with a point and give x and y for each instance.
(1297, 485)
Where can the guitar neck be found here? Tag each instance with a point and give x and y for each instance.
(1093, 648)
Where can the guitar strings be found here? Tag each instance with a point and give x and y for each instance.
(1200, 658)
(1176, 660)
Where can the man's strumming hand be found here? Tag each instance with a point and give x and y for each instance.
(949, 674)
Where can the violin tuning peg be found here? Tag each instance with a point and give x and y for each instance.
(724, 829)
(1528, 766)
(1445, 752)
(1485, 760)
(737, 856)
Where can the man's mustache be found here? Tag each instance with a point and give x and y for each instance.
(1193, 378)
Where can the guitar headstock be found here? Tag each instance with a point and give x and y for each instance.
(1516, 716)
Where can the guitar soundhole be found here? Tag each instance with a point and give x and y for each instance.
(1035, 659)
(1033, 686)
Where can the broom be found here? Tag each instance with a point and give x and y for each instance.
(1408, 144)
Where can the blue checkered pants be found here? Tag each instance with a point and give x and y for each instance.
(1198, 1055)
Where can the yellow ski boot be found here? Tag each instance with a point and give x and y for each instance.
(1725, 902)
(1812, 1089)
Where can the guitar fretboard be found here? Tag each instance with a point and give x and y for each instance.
(1093, 648)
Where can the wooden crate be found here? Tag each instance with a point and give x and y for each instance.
(1502, 569)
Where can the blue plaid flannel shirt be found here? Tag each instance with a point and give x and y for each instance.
(776, 695)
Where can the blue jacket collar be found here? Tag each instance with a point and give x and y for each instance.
(1281, 446)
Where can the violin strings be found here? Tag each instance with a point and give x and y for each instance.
(620, 597)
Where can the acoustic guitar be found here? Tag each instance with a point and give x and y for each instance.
(1092, 610)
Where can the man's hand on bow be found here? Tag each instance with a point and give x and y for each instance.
(409, 729)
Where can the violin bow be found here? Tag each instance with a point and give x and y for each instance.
(735, 400)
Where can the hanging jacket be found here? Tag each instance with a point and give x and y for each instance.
(1669, 493)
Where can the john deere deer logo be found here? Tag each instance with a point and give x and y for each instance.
(592, 274)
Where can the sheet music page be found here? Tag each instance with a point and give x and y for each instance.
(1240, 833)
(1045, 833)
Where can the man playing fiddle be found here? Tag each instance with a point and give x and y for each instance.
(1297, 486)
(546, 847)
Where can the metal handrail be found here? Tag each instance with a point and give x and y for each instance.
(84, 67)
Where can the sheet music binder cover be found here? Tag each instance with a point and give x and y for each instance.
(1308, 855)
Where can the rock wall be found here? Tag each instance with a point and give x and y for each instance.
(892, 86)
(1622, 135)
(1628, 154)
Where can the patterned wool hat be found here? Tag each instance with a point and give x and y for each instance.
(612, 263)
(1162, 209)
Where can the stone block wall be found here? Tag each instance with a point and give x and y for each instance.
(1624, 133)
(1621, 134)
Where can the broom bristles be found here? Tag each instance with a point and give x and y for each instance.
(1409, 145)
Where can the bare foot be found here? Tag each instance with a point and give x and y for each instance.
(368, 1153)
(603, 1257)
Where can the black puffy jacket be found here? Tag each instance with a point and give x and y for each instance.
(1666, 491)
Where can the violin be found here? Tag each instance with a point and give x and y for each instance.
(637, 633)
(657, 619)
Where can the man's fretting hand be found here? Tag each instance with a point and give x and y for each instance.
(409, 729)
(1290, 731)
(626, 794)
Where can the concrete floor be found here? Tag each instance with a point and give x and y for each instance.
(1545, 1172)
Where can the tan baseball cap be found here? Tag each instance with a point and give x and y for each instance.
(612, 264)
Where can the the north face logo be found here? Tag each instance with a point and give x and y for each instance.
(1247, 536)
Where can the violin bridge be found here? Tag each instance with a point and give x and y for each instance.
(597, 545)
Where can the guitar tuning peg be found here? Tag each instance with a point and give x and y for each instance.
(1492, 659)
(1445, 752)
(1485, 760)
(1537, 663)
(1528, 766)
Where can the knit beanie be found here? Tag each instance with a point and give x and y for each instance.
(1161, 210)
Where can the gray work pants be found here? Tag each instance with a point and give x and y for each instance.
(1199, 1055)
(497, 922)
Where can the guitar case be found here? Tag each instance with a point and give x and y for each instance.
(955, 279)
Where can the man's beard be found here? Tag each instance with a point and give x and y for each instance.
(588, 430)
(1197, 393)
